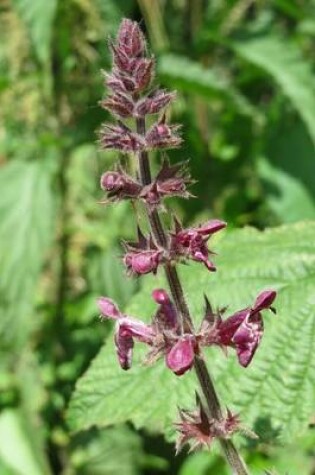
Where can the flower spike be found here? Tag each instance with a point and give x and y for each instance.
(171, 333)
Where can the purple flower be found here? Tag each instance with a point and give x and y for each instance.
(162, 135)
(181, 356)
(242, 331)
(161, 335)
(192, 242)
(127, 329)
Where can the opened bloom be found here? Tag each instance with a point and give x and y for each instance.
(242, 331)
(192, 242)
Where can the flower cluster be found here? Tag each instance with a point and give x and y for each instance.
(132, 74)
(162, 334)
(242, 331)
(171, 180)
(145, 256)
(170, 333)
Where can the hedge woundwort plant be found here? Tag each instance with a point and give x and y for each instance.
(172, 333)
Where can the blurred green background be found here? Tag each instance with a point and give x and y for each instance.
(243, 70)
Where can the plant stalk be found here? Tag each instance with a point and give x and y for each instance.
(230, 451)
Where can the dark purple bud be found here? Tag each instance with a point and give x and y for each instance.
(142, 256)
(120, 186)
(161, 135)
(181, 356)
(143, 73)
(123, 62)
(130, 38)
(153, 103)
(166, 316)
(119, 83)
(142, 262)
(120, 137)
(119, 104)
(112, 181)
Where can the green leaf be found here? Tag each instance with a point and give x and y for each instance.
(107, 275)
(189, 76)
(16, 449)
(38, 16)
(289, 198)
(113, 451)
(26, 215)
(278, 385)
(283, 61)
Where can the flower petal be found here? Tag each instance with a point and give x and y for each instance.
(137, 329)
(264, 300)
(166, 316)
(181, 356)
(108, 308)
(124, 346)
(247, 338)
(211, 227)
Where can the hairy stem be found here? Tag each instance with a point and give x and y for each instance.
(159, 235)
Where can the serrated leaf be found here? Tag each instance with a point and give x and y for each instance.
(38, 16)
(189, 76)
(283, 61)
(26, 215)
(279, 383)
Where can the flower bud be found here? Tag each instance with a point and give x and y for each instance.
(119, 104)
(154, 103)
(142, 262)
(120, 186)
(120, 137)
(161, 135)
(130, 38)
